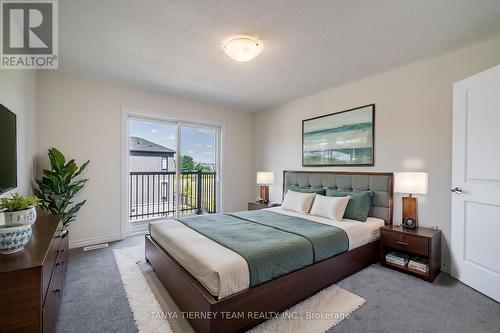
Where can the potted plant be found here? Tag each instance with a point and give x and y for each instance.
(19, 209)
(58, 187)
(14, 237)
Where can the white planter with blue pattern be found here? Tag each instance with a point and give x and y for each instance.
(27, 216)
(13, 238)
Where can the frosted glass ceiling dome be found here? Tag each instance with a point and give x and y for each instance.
(242, 48)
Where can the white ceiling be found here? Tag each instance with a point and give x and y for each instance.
(174, 46)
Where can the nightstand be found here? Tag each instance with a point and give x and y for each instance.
(257, 206)
(422, 242)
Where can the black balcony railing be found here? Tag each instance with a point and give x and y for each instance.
(154, 194)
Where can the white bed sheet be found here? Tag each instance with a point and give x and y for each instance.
(222, 271)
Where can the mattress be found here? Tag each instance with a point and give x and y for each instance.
(222, 271)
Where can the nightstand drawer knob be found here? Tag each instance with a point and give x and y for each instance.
(402, 243)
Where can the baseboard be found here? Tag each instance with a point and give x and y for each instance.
(92, 241)
(445, 268)
(138, 231)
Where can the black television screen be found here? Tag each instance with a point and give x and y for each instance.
(8, 150)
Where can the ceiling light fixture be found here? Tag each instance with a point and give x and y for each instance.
(242, 48)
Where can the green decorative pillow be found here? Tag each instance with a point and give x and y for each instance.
(317, 190)
(359, 205)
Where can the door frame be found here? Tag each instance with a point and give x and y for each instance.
(128, 113)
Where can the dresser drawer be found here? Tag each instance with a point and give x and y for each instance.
(49, 262)
(54, 291)
(405, 242)
(63, 255)
(52, 302)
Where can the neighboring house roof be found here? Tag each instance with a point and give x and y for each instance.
(142, 147)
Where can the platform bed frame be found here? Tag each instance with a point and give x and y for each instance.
(247, 308)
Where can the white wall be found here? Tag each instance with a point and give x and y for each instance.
(412, 128)
(82, 118)
(18, 94)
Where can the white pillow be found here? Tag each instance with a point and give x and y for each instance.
(298, 201)
(330, 207)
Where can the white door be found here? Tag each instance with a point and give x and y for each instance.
(475, 229)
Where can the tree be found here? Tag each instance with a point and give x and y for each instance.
(187, 163)
(202, 167)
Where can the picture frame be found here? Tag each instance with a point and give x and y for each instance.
(345, 138)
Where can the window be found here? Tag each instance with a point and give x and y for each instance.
(164, 163)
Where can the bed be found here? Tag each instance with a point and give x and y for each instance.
(207, 278)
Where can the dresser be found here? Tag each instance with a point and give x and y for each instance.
(32, 280)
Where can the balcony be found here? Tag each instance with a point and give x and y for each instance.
(154, 194)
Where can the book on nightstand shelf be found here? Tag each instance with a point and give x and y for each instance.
(397, 258)
(419, 263)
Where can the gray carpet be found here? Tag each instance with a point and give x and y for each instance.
(94, 300)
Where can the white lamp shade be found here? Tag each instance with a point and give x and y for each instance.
(265, 177)
(410, 182)
(242, 48)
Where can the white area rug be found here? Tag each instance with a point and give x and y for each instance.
(140, 297)
(154, 310)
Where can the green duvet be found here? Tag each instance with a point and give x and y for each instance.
(272, 244)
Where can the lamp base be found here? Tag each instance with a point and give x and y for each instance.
(264, 194)
(410, 212)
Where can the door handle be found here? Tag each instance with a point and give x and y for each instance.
(457, 190)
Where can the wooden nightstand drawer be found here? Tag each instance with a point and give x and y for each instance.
(406, 242)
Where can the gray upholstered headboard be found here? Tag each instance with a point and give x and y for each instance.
(381, 183)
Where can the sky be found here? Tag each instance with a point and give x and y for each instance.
(198, 143)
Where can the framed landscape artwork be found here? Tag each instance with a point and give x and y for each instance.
(344, 138)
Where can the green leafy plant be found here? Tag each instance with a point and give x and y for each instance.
(187, 188)
(58, 186)
(17, 202)
(187, 163)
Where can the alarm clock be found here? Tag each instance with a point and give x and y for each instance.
(410, 223)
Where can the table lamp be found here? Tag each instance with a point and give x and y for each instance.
(410, 183)
(264, 179)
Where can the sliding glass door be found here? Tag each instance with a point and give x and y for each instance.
(152, 166)
(198, 169)
(173, 169)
